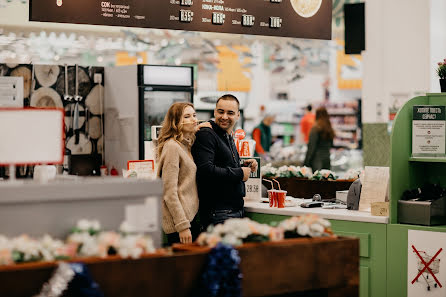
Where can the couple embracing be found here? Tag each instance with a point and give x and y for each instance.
(203, 179)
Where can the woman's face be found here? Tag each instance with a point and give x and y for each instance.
(189, 120)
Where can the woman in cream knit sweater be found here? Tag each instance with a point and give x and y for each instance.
(177, 169)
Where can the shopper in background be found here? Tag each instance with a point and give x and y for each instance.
(262, 135)
(220, 176)
(320, 142)
(307, 123)
(177, 169)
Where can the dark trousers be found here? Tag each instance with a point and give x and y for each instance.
(219, 216)
(195, 229)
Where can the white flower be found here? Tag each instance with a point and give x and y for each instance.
(125, 227)
(49, 247)
(95, 225)
(268, 170)
(28, 246)
(303, 230)
(79, 238)
(83, 225)
(282, 171)
(109, 239)
(233, 231)
(90, 248)
(129, 248)
(5, 243)
(231, 239)
(306, 172)
(317, 229)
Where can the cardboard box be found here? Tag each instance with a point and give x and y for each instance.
(426, 213)
(380, 209)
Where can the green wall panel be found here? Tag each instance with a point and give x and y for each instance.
(364, 286)
(364, 241)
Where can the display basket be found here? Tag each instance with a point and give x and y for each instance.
(321, 266)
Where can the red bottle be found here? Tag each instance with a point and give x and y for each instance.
(114, 172)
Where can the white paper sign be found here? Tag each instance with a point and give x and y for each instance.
(426, 264)
(253, 185)
(428, 130)
(374, 186)
(143, 217)
(31, 136)
(11, 91)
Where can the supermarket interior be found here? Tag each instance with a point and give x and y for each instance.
(171, 147)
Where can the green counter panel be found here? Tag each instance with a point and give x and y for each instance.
(397, 256)
(372, 250)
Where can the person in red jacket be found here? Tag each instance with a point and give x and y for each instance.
(307, 123)
(262, 135)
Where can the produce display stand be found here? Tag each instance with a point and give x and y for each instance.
(292, 267)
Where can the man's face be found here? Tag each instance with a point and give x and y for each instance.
(268, 120)
(226, 114)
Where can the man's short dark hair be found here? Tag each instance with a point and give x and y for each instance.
(309, 107)
(229, 97)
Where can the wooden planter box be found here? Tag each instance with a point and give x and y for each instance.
(315, 266)
(306, 188)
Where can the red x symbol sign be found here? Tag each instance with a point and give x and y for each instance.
(426, 265)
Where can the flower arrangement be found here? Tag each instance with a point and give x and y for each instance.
(268, 170)
(324, 174)
(441, 69)
(86, 240)
(306, 226)
(26, 249)
(286, 171)
(237, 231)
(353, 174)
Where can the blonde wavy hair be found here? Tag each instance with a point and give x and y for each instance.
(172, 126)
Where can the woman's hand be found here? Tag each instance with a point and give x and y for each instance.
(185, 236)
(204, 125)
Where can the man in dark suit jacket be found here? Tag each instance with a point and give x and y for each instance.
(220, 175)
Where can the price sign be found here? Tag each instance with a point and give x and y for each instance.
(288, 18)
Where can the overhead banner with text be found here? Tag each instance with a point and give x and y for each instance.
(287, 18)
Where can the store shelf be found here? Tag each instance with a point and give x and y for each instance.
(287, 123)
(343, 113)
(428, 159)
(345, 127)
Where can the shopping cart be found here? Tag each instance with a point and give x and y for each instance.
(434, 267)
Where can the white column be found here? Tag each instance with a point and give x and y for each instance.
(397, 55)
(437, 41)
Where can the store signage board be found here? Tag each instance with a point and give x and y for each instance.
(287, 18)
(428, 131)
(31, 136)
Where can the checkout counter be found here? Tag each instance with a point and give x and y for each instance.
(371, 231)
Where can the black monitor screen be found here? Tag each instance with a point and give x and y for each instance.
(354, 28)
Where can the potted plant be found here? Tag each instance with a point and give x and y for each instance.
(441, 72)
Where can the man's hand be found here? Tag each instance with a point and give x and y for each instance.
(246, 173)
(185, 236)
(252, 164)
